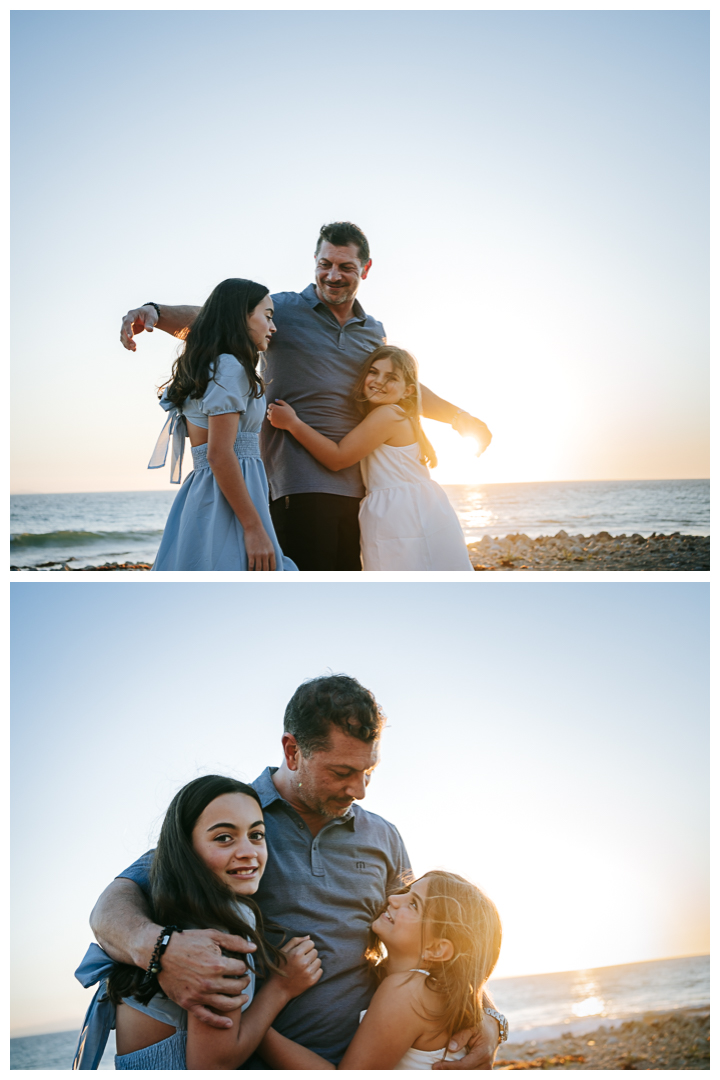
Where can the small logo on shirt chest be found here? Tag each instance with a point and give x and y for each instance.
(360, 866)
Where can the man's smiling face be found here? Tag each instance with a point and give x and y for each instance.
(338, 273)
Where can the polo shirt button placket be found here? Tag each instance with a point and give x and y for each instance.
(316, 865)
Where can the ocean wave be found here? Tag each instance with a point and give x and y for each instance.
(20, 541)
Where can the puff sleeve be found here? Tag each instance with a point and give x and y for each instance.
(229, 388)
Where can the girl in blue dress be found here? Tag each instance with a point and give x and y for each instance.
(220, 519)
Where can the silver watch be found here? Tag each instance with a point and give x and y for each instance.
(504, 1026)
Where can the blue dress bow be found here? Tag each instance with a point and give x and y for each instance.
(176, 429)
(99, 1020)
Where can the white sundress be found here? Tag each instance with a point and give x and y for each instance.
(406, 520)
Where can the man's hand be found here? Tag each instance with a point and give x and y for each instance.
(482, 1044)
(467, 425)
(197, 976)
(137, 320)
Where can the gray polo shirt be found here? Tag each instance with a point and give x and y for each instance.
(313, 364)
(331, 887)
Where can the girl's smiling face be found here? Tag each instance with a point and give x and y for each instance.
(383, 384)
(400, 925)
(229, 837)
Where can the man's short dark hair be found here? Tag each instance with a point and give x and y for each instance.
(337, 700)
(342, 233)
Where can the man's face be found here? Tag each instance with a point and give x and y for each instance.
(338, 273)
(329, 781)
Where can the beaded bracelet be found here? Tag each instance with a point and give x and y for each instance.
(155, 967)
(151, 303)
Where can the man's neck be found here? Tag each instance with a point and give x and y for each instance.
(343, 312)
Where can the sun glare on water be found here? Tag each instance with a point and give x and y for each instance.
(591, 1006)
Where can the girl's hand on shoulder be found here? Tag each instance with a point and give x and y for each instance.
(302, 965)
(280, 414)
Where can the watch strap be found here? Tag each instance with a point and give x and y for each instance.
(502, 1022)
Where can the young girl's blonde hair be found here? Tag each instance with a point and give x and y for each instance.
(405, 365)
(461, 912)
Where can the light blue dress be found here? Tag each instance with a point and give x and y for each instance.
(169, 1054)
(202, 531)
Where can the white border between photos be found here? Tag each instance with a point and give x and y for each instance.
(480, 578)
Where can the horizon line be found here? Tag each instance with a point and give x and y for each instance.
(486, 483)
(601, 967)
(31, 1031)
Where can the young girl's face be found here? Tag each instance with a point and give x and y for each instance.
(400, 925)
(229, 837)
(383, 384)
(260, 324)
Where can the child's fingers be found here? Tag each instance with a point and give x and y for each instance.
(294, 942)
(304, 946)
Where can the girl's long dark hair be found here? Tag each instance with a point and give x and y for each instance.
(185, 893)
(220, 327)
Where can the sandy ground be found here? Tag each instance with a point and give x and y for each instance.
(667, 1040)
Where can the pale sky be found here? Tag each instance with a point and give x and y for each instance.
(548, 741)
(534, 186)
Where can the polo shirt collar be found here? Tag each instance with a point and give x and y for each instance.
(311, 297)
(269, 794)
(266, 789)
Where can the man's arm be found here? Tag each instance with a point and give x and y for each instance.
(482, 1044)
(436, 408)
(175, 320)
(195, 974)
(122, 925)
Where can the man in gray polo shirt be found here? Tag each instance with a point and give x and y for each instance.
(330, 867)
(313, 361)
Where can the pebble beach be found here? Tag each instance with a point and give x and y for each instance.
(679, 1039)
(601, 551)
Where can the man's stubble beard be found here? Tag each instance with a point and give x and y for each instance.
(316, 805)
(335, 301)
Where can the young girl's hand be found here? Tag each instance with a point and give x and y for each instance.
(281, 415)
(302, 965)
(259, 548)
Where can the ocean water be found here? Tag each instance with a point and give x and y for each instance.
(126, 526)
(572, 1000)
(579, 1000)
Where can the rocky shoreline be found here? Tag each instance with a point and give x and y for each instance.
(600, 551)
(76, 569)
(662, 1040)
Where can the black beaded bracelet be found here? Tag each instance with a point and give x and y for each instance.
(155, 967)
(151, 303)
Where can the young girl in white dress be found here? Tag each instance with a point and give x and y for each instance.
(435, 947)
(406, 520)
